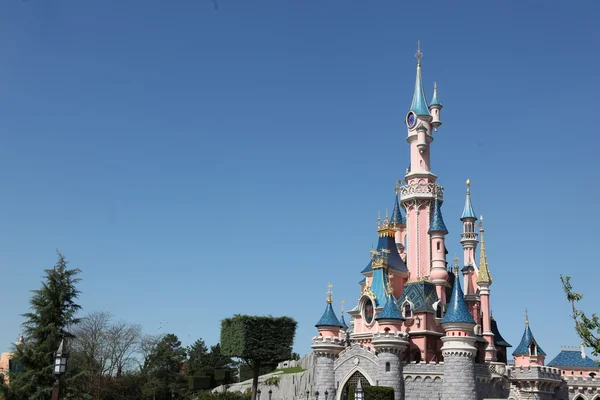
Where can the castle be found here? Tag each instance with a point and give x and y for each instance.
(424, 329)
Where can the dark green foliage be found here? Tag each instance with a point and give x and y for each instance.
(258, 341)
(295, 357)
(222, 396)
(587, 327)
(128, 386)
(200, 382)
(263, 339)
(164, 369)
(378, 393)
(53, 313)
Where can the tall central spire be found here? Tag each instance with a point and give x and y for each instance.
(419, 102)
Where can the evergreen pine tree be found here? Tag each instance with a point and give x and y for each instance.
(53, 313)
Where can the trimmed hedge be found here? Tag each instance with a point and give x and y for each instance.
(378, 393)
(260, 339)
(222, 396)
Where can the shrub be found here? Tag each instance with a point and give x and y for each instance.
(378, 393)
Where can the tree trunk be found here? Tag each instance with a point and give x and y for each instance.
(256, 370)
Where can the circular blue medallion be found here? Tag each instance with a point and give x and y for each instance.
(411, 119)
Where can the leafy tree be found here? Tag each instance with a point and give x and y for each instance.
(197, 353)
(53, 313)
(587, 327)
(163, 369)
(258, 341)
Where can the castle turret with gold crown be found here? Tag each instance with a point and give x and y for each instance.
(419, 327)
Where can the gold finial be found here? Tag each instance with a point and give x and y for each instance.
(378, 218)
(526, 318)
(390, 288)
(397, 189)
(468, 182)
(456, 271)
(484, 271)
(419, 54)
(455, 260)
(329, 298)
(343, 302)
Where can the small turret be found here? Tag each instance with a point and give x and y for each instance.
(528, 352)
(468, 237)
(484, 281)
(419, 101)
(389, 317)
(398, 222)
(435, 108)
(329, 321)
(437, 232)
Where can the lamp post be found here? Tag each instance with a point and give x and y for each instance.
(60, 367)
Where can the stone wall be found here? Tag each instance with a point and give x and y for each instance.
(586, 388)
(356, 358)
(423, 381)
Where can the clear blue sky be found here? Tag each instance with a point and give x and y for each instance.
(196, 163)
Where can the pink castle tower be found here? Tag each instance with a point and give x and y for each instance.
(528, 352)
(469, 243)
(484, 280)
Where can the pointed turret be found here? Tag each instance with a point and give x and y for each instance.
(397, 219)
(468, 237)
(528, 352)
(437, 222)
(329, 319)
(342, 321)
(484, 272)
(468, 212)
(435, 108)
(457, 312)
(390, 315)
(419, 102)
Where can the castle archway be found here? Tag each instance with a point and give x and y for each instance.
(350, 382)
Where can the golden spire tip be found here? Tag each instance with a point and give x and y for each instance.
(526, 318)
(329, 298)
(468, 182)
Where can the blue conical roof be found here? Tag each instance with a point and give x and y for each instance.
(343, 322)
(468, 212)
(457, 308)
(329, 318)
(523, 347)
(397, 218)
(390, 310)
(419, 102)
(437, 222)
(435, 101)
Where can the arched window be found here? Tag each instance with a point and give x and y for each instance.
(532, 349)
(406, 308)
(438, 245)
(387, 367)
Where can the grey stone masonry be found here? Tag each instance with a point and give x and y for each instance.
(390, 348)
(536, 382)
(326, 351)
(585, 387)
(459, 368)
(423, 381)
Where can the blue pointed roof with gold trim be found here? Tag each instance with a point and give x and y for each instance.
(329, 318)
(390, 310)
(457, 310)
(526, 340)
(397, 217)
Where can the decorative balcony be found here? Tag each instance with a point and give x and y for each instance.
(468, 236)
(422, 191)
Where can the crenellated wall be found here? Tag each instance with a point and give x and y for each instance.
(423, 381)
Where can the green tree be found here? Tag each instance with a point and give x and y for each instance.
(258, 341)
(163, 370)
(53, 313)
(587, 327)
(197, 357)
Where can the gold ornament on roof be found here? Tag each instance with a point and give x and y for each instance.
(389, 284)
(329, 293)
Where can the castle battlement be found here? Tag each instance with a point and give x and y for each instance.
(535, 372)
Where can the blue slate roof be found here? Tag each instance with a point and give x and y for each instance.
(457, 311)
(397, 218)
(421, 294)
(468, 211)
(390, 310)
(329, 318)
(437, 221)
(343, 322)
(419, 102)
(523, 347)
(394, 261)
(498, 339)
(572, 358)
